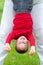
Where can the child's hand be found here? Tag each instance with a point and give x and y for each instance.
(7, 47)
(32, 50)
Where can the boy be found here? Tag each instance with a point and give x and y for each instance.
(23, 26)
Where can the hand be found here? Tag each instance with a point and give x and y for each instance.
(32, 50)
(7, 47)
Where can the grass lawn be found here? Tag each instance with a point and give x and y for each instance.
(14, 58)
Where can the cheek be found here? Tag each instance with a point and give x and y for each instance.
(18, 45)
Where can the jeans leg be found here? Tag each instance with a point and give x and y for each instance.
(37, 14)
(5, 27)
(3, 53)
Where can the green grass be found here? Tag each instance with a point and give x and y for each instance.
(14, 58)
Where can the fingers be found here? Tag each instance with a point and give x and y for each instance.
(7, 48)
(32, 50)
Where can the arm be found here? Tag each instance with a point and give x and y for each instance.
(32, 44)
(31, 39)
(8, 41)
(10, 37)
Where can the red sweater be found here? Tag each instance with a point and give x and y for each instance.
(22, 27)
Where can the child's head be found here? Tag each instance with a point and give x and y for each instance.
(21, 44)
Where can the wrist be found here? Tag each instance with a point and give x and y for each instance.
(33, 47)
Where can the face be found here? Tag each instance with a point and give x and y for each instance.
(22, 44)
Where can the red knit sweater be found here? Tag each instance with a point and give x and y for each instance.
(22, 27)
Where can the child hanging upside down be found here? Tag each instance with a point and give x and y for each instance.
(23, 27)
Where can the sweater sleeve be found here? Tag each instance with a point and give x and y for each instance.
(31, 40)
(10, 37)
